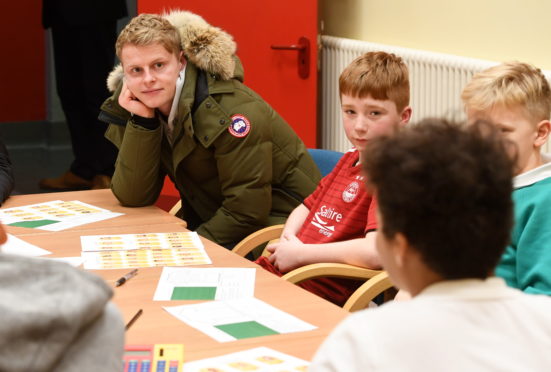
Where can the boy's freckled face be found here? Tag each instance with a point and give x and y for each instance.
(516, 127)
(366, 118)
(150, 73)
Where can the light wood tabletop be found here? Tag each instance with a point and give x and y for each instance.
(155, 325)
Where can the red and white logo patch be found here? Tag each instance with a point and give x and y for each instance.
(240, 126)
(351, 191)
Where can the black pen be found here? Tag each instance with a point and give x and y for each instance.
(134, 318)
(126, 277)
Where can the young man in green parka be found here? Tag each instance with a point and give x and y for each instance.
(180, 109)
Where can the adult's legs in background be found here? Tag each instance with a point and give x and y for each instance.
(84, 56)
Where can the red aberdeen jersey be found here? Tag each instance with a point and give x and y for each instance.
(340, 209)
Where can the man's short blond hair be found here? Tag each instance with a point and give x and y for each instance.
(509, 84)
(147, 29)
(383, 76)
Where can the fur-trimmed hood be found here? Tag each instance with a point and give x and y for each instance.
(208, 47)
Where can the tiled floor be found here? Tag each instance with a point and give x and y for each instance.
(37, 150)
(33, 163)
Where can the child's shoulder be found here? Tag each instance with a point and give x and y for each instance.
(350, 158)
(348, 161)
(538, 177)
(536, 194)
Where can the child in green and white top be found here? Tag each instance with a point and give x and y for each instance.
(516, 97)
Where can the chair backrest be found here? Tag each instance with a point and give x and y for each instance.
(376, 281)
(325, 159)
(175, 208)
(260, 237)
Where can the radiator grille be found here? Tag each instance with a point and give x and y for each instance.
(436, 81)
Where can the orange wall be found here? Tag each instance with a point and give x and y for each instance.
(23, 90)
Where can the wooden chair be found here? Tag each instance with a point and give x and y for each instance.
(367, 292)
(175, 208)
(377, 281)
(262, 236)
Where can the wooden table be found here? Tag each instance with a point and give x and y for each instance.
(156, 325)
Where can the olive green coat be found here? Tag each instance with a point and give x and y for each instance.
(229, 186)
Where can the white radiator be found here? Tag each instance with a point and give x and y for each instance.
(436, 82)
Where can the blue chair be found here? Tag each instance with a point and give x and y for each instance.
(325, 159)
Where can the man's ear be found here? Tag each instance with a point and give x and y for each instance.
(542, 133)
(405, 116)
(182, 58)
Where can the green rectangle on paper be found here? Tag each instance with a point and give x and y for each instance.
(193, 293)
(246, 329)
(33, 224)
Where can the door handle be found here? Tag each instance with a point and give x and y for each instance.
(303, 49)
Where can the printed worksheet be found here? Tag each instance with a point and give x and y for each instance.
(209, 283)
(238, 319)
(258, 359)
(14, 245)
(54, 215)
(183, 248)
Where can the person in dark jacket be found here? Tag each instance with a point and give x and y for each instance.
(180, 108)
(6, 174)
(83, 34)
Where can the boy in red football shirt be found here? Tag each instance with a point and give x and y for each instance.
(337, 222)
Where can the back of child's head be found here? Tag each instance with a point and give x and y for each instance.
(148, 29)
(383, 76)
(447, 189)
(509, 85)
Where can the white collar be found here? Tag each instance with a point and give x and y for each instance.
(534, 175)
(179, 85)
(492, 287)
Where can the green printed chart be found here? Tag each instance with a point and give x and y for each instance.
(246, 329)
(206, 284)
(33, 224)
(193, 293)
(238, 319)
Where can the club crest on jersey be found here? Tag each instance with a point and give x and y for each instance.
(240, 126)
(351, 191)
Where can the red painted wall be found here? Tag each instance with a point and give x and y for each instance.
(23, 86)
(255, 25)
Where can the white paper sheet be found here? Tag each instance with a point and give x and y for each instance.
(236, 319)
(260, 359)
(14, 245)
(54, 215)
(201, 283)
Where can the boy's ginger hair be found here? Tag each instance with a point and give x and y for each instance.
(380, 75)
(509, 84)
(147, 29)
